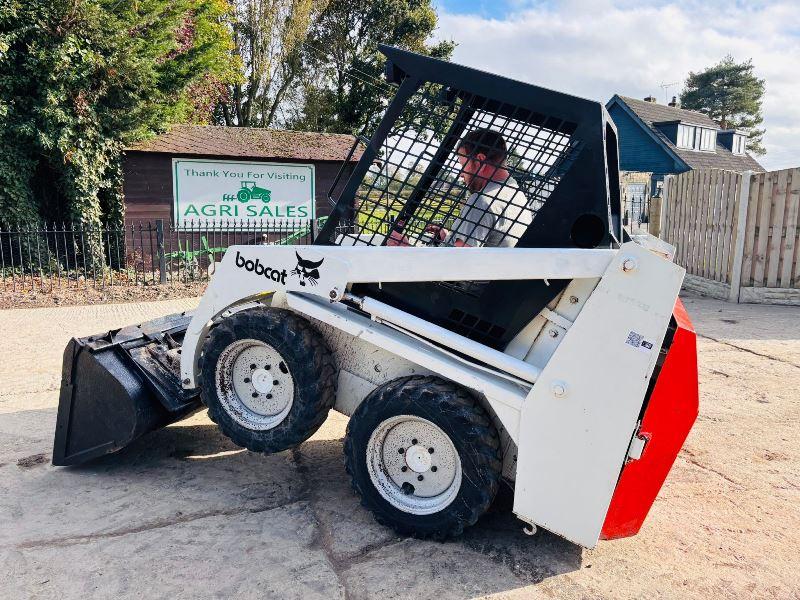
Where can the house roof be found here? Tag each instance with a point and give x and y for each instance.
(653, 112)
(251, 142)
(649, 113)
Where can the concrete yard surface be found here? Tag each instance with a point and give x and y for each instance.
(183, 513)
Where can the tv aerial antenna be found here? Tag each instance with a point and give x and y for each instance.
(665, 87)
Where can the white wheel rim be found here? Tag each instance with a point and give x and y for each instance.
(254, 384)
(414, 465)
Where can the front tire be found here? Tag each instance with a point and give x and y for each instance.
(424, 457)
(268, 379)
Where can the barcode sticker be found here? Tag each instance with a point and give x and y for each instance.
(636, 340)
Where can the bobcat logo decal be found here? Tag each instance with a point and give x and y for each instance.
(307, 270)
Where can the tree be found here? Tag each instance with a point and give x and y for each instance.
(343, 85)
(79, 79)
(731, 94)
(268, 37)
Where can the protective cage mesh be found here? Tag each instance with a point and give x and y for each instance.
(416, 194)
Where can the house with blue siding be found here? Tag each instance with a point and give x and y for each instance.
(658, 139)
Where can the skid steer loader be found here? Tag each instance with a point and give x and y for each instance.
(472, 303)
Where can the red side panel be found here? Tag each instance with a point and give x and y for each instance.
(670, 415)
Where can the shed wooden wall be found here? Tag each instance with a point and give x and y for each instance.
(147, 183)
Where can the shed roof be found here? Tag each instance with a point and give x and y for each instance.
(652, 112)
(250, 142)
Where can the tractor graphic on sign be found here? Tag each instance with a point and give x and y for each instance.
(250, 191)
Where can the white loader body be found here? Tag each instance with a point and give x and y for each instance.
(566, 393)
(550, 352)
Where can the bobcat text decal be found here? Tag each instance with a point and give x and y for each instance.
(307, 270)
(278, 276)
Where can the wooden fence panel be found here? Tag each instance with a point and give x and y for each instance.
(756, 184)
(686, 219)
(712, 233)
(680, 233)
(701, 218)
(669, 190)
(698, 221)
(712, 230)
(765, 200)
(730, 194)
(701, 223)
(669, 210)
(791, 245)
(690, 221)
(673, 211)
(776, 228)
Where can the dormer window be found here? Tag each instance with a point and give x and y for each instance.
(692, 137)
(734, 140)
(739, 144)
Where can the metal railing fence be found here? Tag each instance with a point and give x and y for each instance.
(48, 256)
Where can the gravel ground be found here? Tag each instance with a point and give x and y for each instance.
(183, 513)
(77, 294)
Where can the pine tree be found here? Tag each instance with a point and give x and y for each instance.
(731, 94)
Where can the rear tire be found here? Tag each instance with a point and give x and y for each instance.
(424, 457)
(268, 379)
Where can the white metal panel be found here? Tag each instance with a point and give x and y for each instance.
(533, 344)
(401, 264)
(503, 396)
(364, 366)
(249, 272)
(384, 313)
(236, 280)
(351, 391)
(572, 445)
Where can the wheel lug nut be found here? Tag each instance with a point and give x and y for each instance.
(430, 450)
(420, 478)
(269, 396)
(247, 380)
(414, 441)
(401, 450)
(252, 367)
(404, 468)
(267, 367)
(433, 469)
(274, 382)
(255, 394)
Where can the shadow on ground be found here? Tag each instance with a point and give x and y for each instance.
(367, 559)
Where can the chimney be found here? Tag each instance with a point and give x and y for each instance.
(674, 103)
(650, 99)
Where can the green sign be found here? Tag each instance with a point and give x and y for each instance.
(218, 192)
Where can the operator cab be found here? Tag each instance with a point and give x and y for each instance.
(560, 153)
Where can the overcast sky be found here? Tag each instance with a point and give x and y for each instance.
(596, 48)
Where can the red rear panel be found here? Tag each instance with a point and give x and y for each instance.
(670, 415)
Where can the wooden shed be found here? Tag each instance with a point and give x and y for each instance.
(149, 167)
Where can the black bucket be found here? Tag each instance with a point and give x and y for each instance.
(118, 386)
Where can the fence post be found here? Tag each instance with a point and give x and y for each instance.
(737, 243)
(162, 259)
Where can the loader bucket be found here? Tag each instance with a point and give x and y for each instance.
(118, 386)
